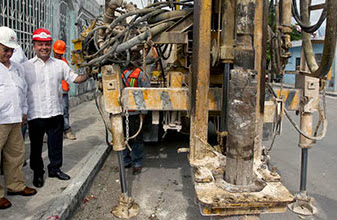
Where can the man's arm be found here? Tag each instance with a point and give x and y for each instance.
(72, 77)
(81, 78)
(24, 95)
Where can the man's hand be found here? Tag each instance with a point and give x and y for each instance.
(24, 119)
(81, 78)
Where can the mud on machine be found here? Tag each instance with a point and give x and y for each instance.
(207, 60)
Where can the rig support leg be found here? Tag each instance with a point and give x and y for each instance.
(126, 207)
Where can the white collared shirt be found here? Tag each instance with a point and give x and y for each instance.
(19, 56)
(44, 94)
(13, 92)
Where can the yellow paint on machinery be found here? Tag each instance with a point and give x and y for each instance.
(291, 98)
(111, 75)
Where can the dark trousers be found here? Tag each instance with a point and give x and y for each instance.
(65, 99)
(135, 157)
(54, 128)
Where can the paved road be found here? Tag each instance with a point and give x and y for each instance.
(322, 171)
(164, 190)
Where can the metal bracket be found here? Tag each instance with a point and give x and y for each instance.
(126, 208)
(279, 112)
(303, 205)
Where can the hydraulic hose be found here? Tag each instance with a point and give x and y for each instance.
(139, 129)
(329, 42)
(98, 103)
(143, 36)
(322, 118)
(304, 27)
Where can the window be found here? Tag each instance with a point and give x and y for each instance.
(298, 63)
(318, 57)
(24, 17)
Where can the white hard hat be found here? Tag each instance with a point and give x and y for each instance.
(8, 37)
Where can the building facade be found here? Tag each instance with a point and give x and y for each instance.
(64, 18)
(295, 59)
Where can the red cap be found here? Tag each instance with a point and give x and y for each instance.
(42, 34)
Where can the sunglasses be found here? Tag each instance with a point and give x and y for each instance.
(6, 49)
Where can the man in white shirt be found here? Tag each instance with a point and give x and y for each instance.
(45, 114)
(19, 56)
(13, 109)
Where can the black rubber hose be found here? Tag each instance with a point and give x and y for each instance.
(161, 64)
(304, 27)
(106, 129)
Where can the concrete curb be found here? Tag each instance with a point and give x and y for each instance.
(64, 206)
(333, 94)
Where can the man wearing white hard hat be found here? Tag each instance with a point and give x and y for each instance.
(13, 110)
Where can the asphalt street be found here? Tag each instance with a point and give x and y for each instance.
(164, 189)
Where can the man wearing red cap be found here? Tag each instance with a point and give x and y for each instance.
(13, 109)
(45, 114)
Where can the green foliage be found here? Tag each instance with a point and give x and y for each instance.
(295, 35)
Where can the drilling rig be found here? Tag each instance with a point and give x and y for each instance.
(207, 61)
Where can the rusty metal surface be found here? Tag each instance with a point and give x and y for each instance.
(165, 99)
(244, 51)
(207, 211)
(156, 99)
(291, 98)
(126, 208)
(306, 125)
(151, 99)
(310, 87)
(176, 79)
(200, 75)
(228, 35)
(117, 132)
(171, 38)
(111, 76)
(286, 18)
(269, 112)
(214, 199)
(183, 24)
(272, 199)
(169, 15)
(260, 46)
(241, 127)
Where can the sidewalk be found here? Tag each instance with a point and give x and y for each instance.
(328, 93)
(82, 159)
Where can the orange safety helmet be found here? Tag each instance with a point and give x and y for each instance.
(41, 34)
(59, 47)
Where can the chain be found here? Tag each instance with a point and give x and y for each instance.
(127, 134)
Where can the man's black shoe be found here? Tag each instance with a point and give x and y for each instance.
(38, 181)
(136, 170)
(60, 175)
(128, 166)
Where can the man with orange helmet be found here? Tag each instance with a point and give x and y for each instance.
(59, 48)
(45, 113)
